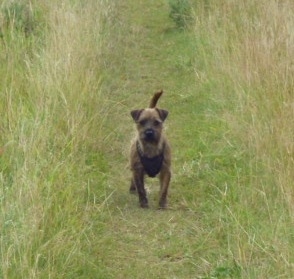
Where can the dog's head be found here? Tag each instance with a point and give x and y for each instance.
(149, 123)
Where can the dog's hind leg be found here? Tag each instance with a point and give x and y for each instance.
(133, 189)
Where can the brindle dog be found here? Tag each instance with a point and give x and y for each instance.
(150, 152)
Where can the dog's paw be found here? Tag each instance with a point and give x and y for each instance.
(162, 205)
(144, 203)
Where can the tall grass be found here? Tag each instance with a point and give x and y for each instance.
(246, 49)
(52, 113)
(251, 45)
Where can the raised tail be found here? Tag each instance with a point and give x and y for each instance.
(154, 99)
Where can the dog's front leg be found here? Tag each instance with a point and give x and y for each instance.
(165, 176)
(138, 179)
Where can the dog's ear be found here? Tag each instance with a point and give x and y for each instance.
(162, 113)
(136, 114)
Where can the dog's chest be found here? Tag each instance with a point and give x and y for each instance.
(152, 165)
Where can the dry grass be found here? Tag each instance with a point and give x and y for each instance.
(250, 57)
(253, 49)
(51, 105)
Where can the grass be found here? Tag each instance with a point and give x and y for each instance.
(70, 73)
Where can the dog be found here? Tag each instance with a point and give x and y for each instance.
(150, 152)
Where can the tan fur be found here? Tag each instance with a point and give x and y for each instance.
(152, 143)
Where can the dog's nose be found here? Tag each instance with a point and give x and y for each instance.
(149, 133)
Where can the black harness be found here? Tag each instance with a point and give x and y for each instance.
(152, 165)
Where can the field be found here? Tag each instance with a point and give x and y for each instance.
(70, 73)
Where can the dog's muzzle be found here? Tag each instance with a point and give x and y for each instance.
(149, 135)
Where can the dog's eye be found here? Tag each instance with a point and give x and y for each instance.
(142, 122)
(156, 122)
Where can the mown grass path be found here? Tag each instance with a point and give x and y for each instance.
(148, 53)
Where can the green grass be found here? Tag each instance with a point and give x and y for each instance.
(70, 73)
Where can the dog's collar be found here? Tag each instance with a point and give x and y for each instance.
(151, 165)
(141, 152)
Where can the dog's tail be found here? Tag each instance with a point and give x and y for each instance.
(154, 99)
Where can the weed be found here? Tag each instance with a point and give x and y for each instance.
(17, 16)
(180, 12)
(224, 272)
